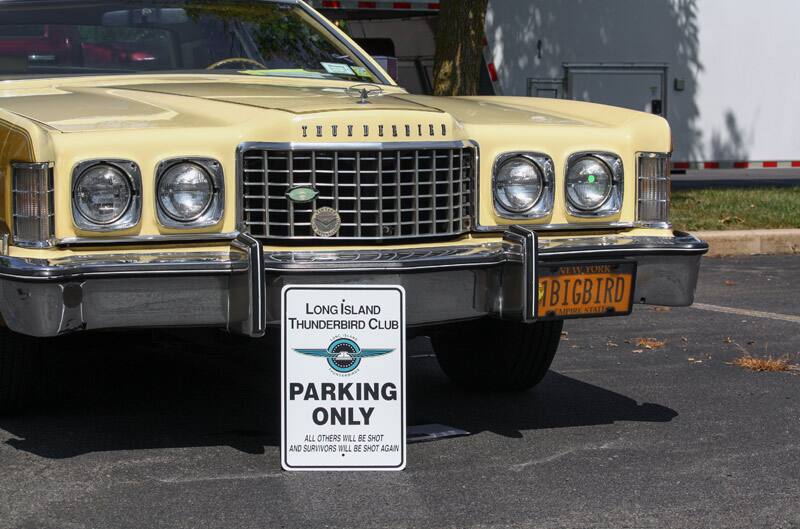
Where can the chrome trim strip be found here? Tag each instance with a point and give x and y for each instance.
(654, 225)
(476, 190)
(122, 264)
(480, 254)
(146, 239)
(473, 256)
(594, 226)
(356, 146)
(683, 243)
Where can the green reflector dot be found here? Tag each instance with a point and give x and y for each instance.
(592, 179)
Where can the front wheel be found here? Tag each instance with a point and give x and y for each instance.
(497, 355)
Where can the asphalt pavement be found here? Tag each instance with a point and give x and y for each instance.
(182, 432)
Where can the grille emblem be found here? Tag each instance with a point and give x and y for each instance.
(326, 222)
(302, 195)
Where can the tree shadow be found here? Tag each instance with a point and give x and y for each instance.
(731, 146)
(152, 390)
(535, 41)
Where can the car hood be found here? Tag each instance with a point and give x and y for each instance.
(147, 102)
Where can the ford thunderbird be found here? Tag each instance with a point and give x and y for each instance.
(177, 163)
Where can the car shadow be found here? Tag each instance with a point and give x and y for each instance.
(147, 390)
(558, 401)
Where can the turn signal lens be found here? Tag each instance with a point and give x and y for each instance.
(33, 204)
(654, 190)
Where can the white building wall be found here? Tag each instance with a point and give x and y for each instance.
(736, 58)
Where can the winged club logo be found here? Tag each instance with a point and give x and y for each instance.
(344, 355)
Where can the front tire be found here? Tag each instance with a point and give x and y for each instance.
(497, 355)
(21, 377)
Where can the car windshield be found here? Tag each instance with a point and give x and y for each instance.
(45, 38)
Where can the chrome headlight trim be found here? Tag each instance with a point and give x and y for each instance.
(543, 206)
(215, 210)
(131, 217)
(613, 203)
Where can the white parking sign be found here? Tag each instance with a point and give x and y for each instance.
(343, 402)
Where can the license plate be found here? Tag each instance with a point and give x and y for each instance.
(583, 290)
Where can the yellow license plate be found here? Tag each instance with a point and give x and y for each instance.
(581, 290)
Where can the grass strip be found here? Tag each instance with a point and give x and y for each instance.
(736, 208)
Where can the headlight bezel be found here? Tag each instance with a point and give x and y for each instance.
(213, 213)
(612, 205)
(543, 205)
(131, 217)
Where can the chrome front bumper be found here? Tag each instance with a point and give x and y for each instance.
(238, 288)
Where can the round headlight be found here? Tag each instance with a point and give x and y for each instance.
(185, 191)
(589, 183)
(518, 185)
(103, 194)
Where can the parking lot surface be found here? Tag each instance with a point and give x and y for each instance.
(150, 432)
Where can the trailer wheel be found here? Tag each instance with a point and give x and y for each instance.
(497, 355)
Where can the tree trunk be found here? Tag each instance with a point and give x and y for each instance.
(459, 47)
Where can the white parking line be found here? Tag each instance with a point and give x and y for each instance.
(222, 477)
(745, 312)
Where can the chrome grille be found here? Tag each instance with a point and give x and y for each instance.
(387, 193)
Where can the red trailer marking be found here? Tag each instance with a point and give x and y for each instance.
(492, 72)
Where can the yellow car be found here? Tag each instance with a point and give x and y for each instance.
(176, 163)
